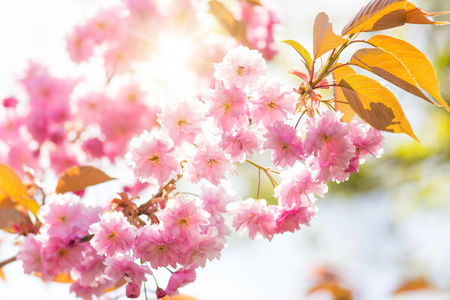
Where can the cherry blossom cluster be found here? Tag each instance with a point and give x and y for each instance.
(247, 114)
(202, 141)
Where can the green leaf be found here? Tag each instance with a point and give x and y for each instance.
(375, 104)
(307, 60)
(78, 178)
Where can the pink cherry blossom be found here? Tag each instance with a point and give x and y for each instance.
(216, 198)
(184, 121)
(298, 186)
(211, 164)
(182, 215)
(60, 256)
(157, 246)
(366, 139)
(180, 278)
(153, 158)
(30, 254)
(227, 106)
(241, 67)
(290, 219)
(273, 102)
(80, 44)
(203, 247)
(61, 215)
(113, 234)
(241, 142)
(256, 216)
(286, 145)
(123, 266)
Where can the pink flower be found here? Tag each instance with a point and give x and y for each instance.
(30, 254)
(90, 272)
(153, 158)
(211, 164)
(203, 247)
(113, 234)
(60, 256)
(80, 44)
(182, 215)
(132, 290)
(63, 215)
(289, 219)
(273, 102)
(256, 216)
(286, 144)
(241, 67)
(366, 139)
(227, 106)
(298, 186)
(215, 198)
(260, 21)
(180, 278)
(157, 246)
(240, 143)
(184, 121)
(123, 266)
(325, 127)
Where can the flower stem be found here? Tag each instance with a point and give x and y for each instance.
(7, 261)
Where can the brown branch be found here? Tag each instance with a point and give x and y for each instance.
(143, 208)
(7, 261)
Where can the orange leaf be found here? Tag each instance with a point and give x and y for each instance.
(118, 284)
(413, 285)
(417, 15)
(14, 215)
(235, 28)
(254, 2)
(2, 275)
(345, 108)
(179, 297)
(12, 189)
(375, 104)
(61, 278)
(324, 37)
(78, 178)
(415, 61)
(377, 15)
(338, 292)
(389, 67)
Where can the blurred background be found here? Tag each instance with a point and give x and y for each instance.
(384, 234)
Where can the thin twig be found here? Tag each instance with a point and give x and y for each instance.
(7, 261)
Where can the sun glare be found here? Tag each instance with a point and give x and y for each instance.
(168, 72)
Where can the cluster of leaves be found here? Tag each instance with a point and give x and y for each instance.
(392, 59)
